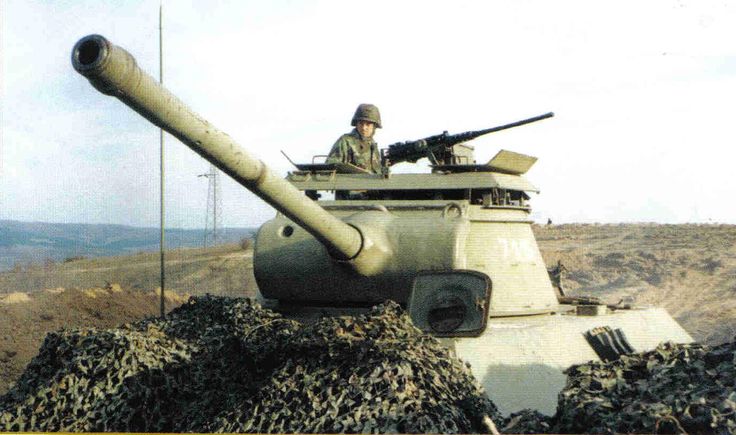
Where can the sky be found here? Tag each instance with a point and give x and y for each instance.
(644, 95)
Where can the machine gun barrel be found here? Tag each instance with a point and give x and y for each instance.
(114, 71)
(412, 151)
(469, 135)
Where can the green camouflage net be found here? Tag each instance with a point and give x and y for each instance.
(228, 365)
(676, 388)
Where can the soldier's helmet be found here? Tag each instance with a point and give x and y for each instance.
(367, 112)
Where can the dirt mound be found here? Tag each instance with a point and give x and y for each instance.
(27, 318)
(219, 364)
(14, 298)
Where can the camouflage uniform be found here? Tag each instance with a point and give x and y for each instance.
(351, 148)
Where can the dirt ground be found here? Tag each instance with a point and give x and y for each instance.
(28, 317)
(688, 269)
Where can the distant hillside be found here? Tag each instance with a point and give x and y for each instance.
(224, 270)
(688, 269)
(38, 242)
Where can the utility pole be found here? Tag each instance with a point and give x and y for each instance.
(161, 137)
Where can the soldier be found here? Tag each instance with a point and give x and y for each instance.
(555, 275)
(358, 147)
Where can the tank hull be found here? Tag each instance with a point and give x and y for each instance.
(520, 360)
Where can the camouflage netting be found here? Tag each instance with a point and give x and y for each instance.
(218, 364)
(527, 421)
(676, 388)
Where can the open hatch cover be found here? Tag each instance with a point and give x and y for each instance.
(340, 168)
(505, 162)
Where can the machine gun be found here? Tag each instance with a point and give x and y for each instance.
(438, 148)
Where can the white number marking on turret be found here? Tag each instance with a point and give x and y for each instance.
(517, 250)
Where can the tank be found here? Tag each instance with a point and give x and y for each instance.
(454, 246)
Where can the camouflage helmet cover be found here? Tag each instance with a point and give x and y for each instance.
(367, 112)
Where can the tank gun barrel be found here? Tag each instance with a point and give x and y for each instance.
(114, 71)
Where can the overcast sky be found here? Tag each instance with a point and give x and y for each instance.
(644, 94)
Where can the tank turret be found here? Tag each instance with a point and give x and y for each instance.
(386, 236)
(454, 246)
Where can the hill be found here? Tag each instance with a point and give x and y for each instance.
(23, 243)
(223, 270)
(688, 269)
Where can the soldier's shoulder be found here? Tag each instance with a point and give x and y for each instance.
(349, 138)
